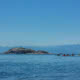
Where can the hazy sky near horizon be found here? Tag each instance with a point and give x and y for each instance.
(39, 22)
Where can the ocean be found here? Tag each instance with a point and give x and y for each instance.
(39, 67)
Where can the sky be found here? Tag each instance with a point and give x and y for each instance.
(39, 22)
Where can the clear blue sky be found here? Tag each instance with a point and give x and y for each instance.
(39, 22)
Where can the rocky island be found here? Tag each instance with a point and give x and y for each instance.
(25, 51)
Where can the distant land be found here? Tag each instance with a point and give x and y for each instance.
(67, 49)
(21, 50)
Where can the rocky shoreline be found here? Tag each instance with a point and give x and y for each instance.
(25, 51)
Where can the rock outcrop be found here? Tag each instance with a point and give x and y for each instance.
(24, 51)
(41, 52)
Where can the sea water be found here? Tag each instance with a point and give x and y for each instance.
(39, 67)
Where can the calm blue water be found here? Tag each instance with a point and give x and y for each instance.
(39, 67)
